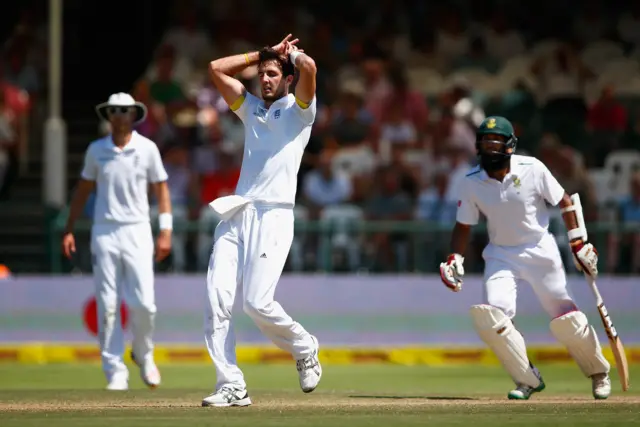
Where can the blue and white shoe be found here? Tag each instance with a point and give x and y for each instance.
(309, 370)
(227, 396)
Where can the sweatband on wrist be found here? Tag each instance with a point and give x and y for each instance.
(165, 220)
(576, 233)
(293, 56)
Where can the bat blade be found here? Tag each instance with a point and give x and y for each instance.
(617, 348)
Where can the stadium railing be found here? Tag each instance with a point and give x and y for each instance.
(345, 246)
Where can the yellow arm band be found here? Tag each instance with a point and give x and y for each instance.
(237, 103)
(302, 104)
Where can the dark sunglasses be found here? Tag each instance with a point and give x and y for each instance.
(119, 110)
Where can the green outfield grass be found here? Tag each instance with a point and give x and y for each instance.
(350, 396)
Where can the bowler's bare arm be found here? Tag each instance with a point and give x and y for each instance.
(306, 87)
(222, 71)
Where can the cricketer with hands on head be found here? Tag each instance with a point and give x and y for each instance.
(512, 191)
(120, 168)
(252, 242)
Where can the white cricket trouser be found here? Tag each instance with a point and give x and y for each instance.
(123, 269)
(539, 265)
(250, 250)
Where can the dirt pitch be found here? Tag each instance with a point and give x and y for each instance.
(318, 402)
(349, 396)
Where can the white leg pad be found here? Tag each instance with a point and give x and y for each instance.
(497, 331)
(575, 333)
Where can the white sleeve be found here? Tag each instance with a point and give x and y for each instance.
(243, 106)
(90, 168)
(307, 113)
(156, 172)
(548, 185)
(468, 212)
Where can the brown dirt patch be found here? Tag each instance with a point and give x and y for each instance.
(271, 403)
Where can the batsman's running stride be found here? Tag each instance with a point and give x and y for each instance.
(252, 242)
(512, 192)
(120, 168)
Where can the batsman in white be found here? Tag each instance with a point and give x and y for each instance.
(120, 168)
(512, 192)
(252, 242)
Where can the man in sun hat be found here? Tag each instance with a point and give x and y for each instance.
(120, 166)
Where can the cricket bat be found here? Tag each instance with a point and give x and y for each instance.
(614, 340)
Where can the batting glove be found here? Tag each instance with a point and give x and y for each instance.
(452, 271)
(585, 257)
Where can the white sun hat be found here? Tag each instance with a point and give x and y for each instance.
(122, 100)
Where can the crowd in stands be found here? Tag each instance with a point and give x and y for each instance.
(401, 88)
(22, 63)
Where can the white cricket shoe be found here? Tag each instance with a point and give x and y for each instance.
(119, 381)
(309, 370)
(601, 386)
(148, 372)
(227, 396)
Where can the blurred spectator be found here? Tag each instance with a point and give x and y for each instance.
(476, 58)
(188, 39)
(403, 104)
(408, 174)
(224, 179)
(607, 114)
(377, 86)
(628, 242)
(629, 25)
(458, 164)
(451, 39)
(181, 187)
(462, 103)
(168, 75)
(426, 55)
(590, 24)
(388, 203)
(607, 122)
(18, 72)
(325, 187)
(351, 124)
(562, 74)
(14, 110)
(434, 202)
(501, 40)
(396, 131)
(209, 97)
(8, 139)
(562, 80)
(571, 173)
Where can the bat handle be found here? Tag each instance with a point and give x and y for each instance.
(594, 288)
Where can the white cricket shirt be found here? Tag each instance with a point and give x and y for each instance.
(274, 142)
(122, 177)
(515, 209)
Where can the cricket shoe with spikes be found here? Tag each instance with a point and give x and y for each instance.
(148, 372)
(523, 391)
(309, 369)
(227, 396)
(601, 386)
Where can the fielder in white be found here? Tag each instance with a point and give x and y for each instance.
(120, 168)
(253, 239)
(512, 192)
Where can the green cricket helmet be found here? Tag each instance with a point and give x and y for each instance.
(495, 143)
